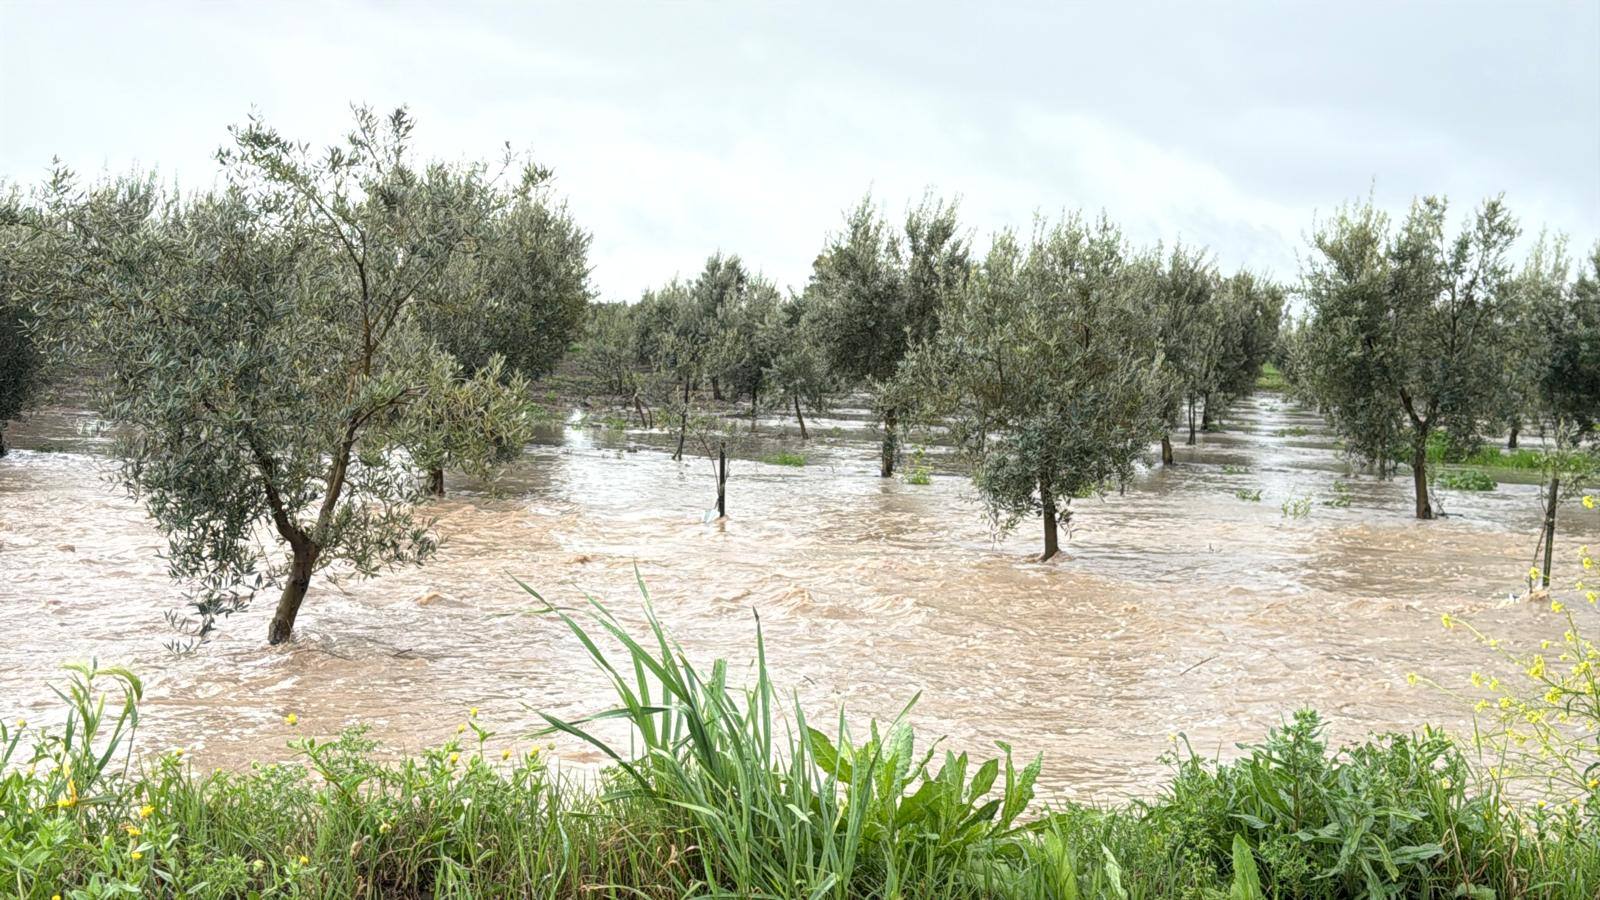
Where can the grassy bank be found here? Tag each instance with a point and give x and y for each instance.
(726, 792)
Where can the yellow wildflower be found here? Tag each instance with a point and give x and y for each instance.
(22, 723)
(1411, 678)
(1448, 622)
(1557, 606)
(384, 828)
(1533, 573)
(146, 810)
(472, 713)
(136, 855)
(460, 728)
(454, 758)
(1477, 679)
(304, 860)
(506, 753)
(132, 830)
(291, 720)
(1588, 501)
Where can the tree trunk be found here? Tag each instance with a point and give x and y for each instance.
(1516, 431)
(1419, 475)
(3, 433)
(1191, 423)
(754, 406)
(798, 417)
(891, 444)
(683, 424)
(1205, 413)
(1166, 449)
(436, 481)
(1550, 528)
(638, 407)
(716, 389)
(294, 593)
(1051, 548)
(722, 480)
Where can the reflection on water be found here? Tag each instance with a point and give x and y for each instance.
(1177, 606)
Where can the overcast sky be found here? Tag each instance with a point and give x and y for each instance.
(679, 129)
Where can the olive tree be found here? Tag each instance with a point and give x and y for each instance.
(21, 363)
(1046, 367)
(799, 370)
(1403, 327)
(878, 294)
(1565, 394)
(517, 292)
(1184, 287)
(262, 349)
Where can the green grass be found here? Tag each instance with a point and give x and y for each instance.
(1465, 480)
(725, 791)
(1251, 495)
(1485, 456)
(784, 458)
(1270, 378)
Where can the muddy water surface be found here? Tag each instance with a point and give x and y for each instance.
(1175, 607)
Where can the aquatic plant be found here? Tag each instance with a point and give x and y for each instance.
(784, 458)
(1231, 469)
(1252, 495)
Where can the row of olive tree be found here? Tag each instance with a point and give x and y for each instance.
(934, 336)
(283, 354)
(1417, 336)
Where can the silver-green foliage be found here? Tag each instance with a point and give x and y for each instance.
(1047, 371)
(261, 349)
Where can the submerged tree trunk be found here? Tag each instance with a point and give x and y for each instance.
(638, 406)
(436, 481)
(1166, 449)
(1419, 475)
(1516, 431)
(1205, 413)
(891, 444)
(798, 417)
(683, 424)
(3, 434)
(722, 480)
(294, 593)
(754, 406)
(1550, 528)
(1191, 423)
(1048, 500)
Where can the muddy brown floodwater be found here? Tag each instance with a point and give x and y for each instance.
(1175, 607)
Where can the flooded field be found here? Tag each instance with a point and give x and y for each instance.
(1176, 607)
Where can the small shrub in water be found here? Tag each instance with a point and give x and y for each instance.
(1297, 507)
(1252, 495)
(784, 458)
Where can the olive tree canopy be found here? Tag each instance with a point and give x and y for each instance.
(1047, 368)
(262, 349)
(1404, 327)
